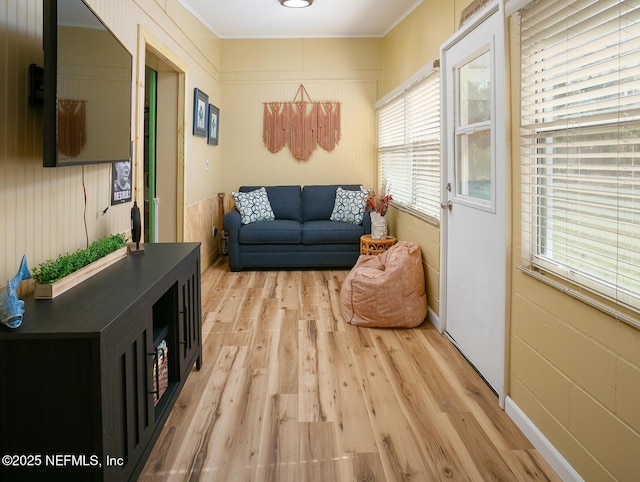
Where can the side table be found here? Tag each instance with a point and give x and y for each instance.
(368, 245)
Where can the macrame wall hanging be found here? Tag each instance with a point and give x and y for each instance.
(302, 125)
(72, 126)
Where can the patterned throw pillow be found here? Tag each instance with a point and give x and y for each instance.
(254, 206)
(349, 206)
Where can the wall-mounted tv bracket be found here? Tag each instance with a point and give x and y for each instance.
(36, 85)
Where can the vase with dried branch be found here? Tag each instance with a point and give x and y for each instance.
(378, 202)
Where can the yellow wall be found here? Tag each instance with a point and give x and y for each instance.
(259, 71)
(42, 210)
(413, 43)
(574, 371)
(416, 40)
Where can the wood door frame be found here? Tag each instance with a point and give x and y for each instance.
(496, 7)
(147, 42)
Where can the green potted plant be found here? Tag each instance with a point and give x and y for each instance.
(55, 276)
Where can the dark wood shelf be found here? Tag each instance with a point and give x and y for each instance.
(160, 333)
(77, 374)
(164, 404)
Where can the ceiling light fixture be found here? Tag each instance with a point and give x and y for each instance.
(296, 3)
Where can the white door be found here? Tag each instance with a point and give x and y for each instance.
(474, 174)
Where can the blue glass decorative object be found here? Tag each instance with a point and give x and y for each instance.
(12, 308)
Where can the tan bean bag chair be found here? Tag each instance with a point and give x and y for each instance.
(386, 290)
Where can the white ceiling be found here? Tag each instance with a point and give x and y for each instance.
(325, 18)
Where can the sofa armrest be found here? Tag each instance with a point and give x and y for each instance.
(231, 222)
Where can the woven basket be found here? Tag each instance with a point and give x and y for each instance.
(160, 372)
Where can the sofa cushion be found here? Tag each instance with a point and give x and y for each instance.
(280, 231)
(254, 206)
(329, 232)
(286, 201)
(318, 201)
(349, 206)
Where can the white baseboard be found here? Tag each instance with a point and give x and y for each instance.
(433, 318)
(540, 442)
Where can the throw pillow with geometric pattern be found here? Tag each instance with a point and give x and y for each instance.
(349, 206)
(254, 206)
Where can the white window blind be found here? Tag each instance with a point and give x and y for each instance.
(580, 119)
(409, 145)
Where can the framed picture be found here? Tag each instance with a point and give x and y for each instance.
(200, 102)
(120, 182)
(214, 125)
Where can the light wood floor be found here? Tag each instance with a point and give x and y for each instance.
(289, 392)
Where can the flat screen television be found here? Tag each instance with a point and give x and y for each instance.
(87, 88)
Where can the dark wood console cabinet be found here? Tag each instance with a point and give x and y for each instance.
(76, 378)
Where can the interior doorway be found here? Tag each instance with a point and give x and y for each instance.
(474, 225)
(150, 133)
(160, 177)
(160, 167)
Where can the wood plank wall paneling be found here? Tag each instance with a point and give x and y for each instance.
(250, 162)
(201, 219)
(42, 210)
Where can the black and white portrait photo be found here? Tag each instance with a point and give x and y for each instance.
(121, 182)
(201, 115)
(214, 125)
(200, 103)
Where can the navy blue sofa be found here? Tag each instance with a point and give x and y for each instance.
(301, 236)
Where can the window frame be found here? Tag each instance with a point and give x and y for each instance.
(617, 299)
(422, 183)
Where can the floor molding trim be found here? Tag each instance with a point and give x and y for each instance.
(557, 462)
(434, 319)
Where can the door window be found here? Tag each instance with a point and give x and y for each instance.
(474, 166)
